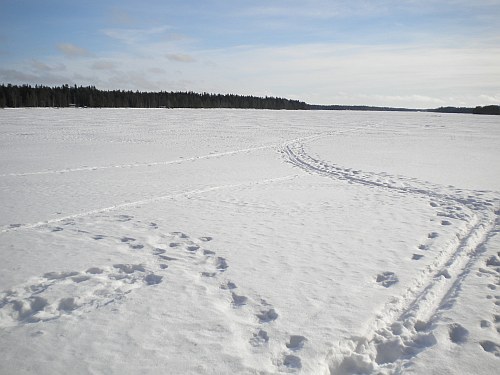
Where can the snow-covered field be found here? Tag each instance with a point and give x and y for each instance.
(138, 241)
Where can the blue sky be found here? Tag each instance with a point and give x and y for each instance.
(388, 52)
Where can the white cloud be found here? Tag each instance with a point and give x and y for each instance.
(72, 51)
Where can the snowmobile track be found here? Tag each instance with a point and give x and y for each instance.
(404, 327)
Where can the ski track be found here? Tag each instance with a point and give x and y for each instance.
(179, 160)
(135, 165)
(15, 227)
(405, 325)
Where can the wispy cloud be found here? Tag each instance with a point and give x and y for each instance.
(43, 67)
(133, 36)
(103, 65)
(180, 57)
(72, 51)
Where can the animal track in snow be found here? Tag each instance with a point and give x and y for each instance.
(296, 342)
(238, 300)
(266, 316)
(213, 268)
(490, 347)
(221, 264)
(61, 293)
(457, 333)
(259, 338)
(127, 239)
(292, 361)
(123, 218)
(387, 279)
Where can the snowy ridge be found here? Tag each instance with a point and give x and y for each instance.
(405, 325)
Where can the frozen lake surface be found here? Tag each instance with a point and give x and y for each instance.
(161, 241)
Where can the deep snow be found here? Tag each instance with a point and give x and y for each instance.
(244, 241)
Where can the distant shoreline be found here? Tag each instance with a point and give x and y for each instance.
(18, 96)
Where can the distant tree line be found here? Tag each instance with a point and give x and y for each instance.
(451, 110)
(72, 96)
(487, 110)
(68, 96)
(358, 108)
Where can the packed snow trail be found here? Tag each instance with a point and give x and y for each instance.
(405, 325)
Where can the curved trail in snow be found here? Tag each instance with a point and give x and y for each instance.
(405, 325)
(175, 161)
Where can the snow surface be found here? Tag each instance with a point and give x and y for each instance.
(141, 241)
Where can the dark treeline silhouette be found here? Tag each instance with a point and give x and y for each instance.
(487, 110)
(68, 96)
(358, 108)
(451, 110)
(72, 96)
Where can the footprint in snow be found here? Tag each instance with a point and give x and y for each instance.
(387, 279)
(237, 300)
(136, 246)
(179, 235)
(123, 218)
(296, 342)
(192, 247)
(221, 264)
(127, 239)
(266, 316)
(67, 292)
(292, 361)
(457, 333)
(490, 347)
(259, 338)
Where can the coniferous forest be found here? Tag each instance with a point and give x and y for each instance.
(72, 96)
(13, 96)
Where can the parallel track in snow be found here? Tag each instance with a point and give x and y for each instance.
(405, 325)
